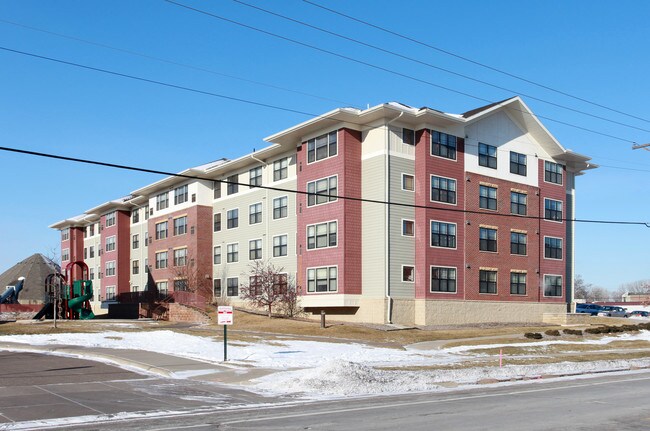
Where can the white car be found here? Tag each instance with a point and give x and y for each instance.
(612, 311)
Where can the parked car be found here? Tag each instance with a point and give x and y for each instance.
(613, 311)
(640, 314)
(592, 309)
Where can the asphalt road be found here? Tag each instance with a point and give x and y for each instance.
(94, 393)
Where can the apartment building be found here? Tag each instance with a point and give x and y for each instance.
(388, 214)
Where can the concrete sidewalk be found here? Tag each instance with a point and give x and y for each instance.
(152, 363)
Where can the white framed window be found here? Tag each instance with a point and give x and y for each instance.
(443, 279)
(487, 281)
(279, 245)
(322, 191)
(280, 169)
(217, 222)
(443, 234)
(408, 273)
(110, 268)
(517, 283)
(408, 182)
(135, 267)
(162, 287)
(552, 248)
(180, 257)
(322, 147)
(135, 241)
(255, 249)
(255, 176)
(110, 243)
(255, 213)
(232, 252)
(216, 190)
(110, 219)
(180, 194)
(232, 286)
(65, 234)
(232, 217)
(180, 285)
(323, 279)
(217, 255)
(110, 293)
(443, 145)
(162, 201)
(552, 285)
(553, 172)
(518, 163)
(161, 260)
(487, 197)
(552, 210)
(443, 190)
(161, 230)
(280, 207)
(322, 235)
(408, 227)
(233, 184)
(135, 216)
(408, 136)
(487, 155)
(65, 254)
(216, 286)
(180, 225)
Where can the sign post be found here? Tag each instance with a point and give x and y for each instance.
(224, 314)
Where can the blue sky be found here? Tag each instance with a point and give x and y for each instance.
(592, 50)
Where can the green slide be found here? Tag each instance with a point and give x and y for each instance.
(76, 304)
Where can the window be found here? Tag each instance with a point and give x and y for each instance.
(280, 169)
(255, 177)
(488, 239)
(487, 155)
(91, 251)
(443, 234)
(443, 279)
(65, 234)
(255, 249)
(487, 281)
(217, 222)
(162, 201)
(135, 216)
(488, 197)
(217, 255)
(552, 248)
(161, 260)
(552, 285)
(180, 284)
(232, 286)
(443, 190)
(408, 182)
(146, 212)
(321, 235)
(408, 228)
(110, 268)
(180, 194)
(279, 245)
(92, 230)
(280, 284)
(135, 243)
(233, 184)
(216, 189)
(552, 210)
(322, 191)
(162, 287)
(146, 239)
(180, 257)
(517, 283)
(280, 207)
(232, 253)
(517, 163)
(518, 203)
(552, 172)
(135, 267)
(216, 286)
(110, 243)
(321, 147)
(443, 145)
(85, 253)
(232, 217)
(180, 225)
(408, 136)
(255, 213)
(518, 243)
(110, 293)
(110, 219)
(322, 279)
(161, 230)
(65, 254)
(408, 273)
(92, 273)
(146, 265)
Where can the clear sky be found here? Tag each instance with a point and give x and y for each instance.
(594, 50)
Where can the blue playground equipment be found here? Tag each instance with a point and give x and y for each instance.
(10, 295)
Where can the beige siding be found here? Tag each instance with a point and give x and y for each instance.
(374, 228)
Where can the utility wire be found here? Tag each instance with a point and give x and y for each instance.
(281, 189)
(175, 63)
(469, 60)
(433, 66)
(387, 70)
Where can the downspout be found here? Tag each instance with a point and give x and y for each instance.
(389, 305)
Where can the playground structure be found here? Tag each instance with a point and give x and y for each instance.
(10, 295)
(67, 297)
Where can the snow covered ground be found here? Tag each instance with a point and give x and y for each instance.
(325, 369)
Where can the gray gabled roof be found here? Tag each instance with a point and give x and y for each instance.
(35, 269)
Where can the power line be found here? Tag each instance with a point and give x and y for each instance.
(388, 70)
(285, 190)
(175, 63)
(433, 66)
(469, 60)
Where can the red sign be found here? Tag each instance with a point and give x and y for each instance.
(224, 315)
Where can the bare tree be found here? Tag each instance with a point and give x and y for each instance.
(617, 294)
(188, 277)
(582, 289)
(639, 287)
(598, 293)
(269, 287)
